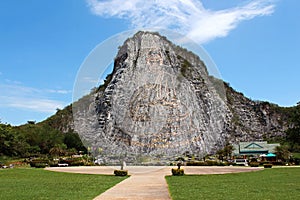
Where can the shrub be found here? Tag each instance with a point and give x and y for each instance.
(121, 172)
(41, 165)
(297, 161)
(53, 164)
(254, 164)
(177, 172)
(222, 164)
(268, 165)
(196, 163)
(32, 164)
(74, 162)
(89, 164)
(278, 163)
(206, 163)
(211, 163)
(17, 164)
(264, 162)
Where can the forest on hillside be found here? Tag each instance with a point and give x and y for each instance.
(31, 140)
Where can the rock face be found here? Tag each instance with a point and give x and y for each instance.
(160, 102)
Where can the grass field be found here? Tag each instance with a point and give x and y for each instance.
(276, 183)
(30, 183)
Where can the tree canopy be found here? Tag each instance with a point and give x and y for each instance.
(33, 139)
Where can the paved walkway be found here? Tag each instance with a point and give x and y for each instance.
(139, 185)
(146, 183)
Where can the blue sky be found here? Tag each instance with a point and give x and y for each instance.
(254, 43)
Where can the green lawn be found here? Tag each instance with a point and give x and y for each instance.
(276, 183)
(31, 183)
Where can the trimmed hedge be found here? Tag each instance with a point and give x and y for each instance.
(39, 163)
(254, 164)
(53, 163)
(75, 162)
(177, 172)
(121, 172)
(268, 165)
(206, 163)
(278, 163)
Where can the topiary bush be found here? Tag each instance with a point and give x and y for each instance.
(121, 172)
(177, 172)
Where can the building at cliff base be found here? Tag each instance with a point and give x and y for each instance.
(254, 148)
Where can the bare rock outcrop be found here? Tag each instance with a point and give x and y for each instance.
(160, 102)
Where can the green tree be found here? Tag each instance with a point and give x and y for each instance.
(221, 154)
(41, 138)
(293, 133)
(282, 152)
(58, 150)
(6, 140)
(225, 152)
(11, 143)
(293, 139)
(72, 140)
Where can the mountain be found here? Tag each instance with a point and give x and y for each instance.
(160, 101)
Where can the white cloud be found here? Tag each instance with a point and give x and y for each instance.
(59, 91)
(88, 79)
(188, 17)
(16, 95)
(37, 105)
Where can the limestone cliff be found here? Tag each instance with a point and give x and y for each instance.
(160, 101)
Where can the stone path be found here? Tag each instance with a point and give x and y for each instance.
(147, 186)
(146, 183)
